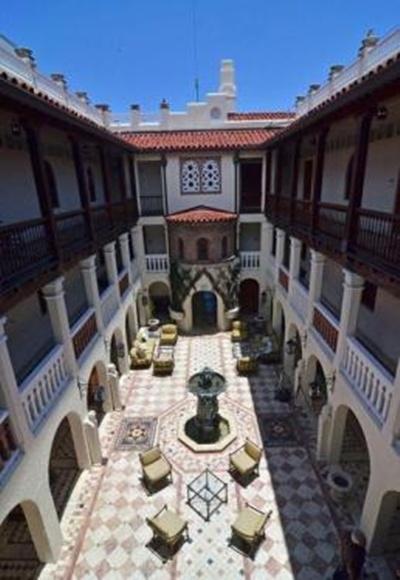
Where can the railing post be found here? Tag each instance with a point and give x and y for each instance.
(357, 182)
(54, 295)
(352, 291)
(318, 178)
(88, 269)
(11, 394)
(315, 288)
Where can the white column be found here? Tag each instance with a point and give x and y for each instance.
(124, 243)
(138, 245)
(44, 525)
(352, 291)
(280, 246)
(294, 266)
(20, 427)
(54, 295)
(316, 276)
(88, 269)
(111, 263)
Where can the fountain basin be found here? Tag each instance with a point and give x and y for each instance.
(187, 433)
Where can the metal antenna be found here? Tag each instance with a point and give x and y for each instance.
(195, 55)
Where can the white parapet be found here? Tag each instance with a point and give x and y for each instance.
(157, 263)
(250, 260)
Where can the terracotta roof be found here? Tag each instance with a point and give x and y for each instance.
(203, 140)
(260, 115)
(201, 214)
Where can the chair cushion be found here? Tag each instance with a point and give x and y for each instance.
(150, 456)
(168, 329)
(243, 462)
(236, 324)
(252, 450)
(168, 524)
(249, 523)
(156, 471)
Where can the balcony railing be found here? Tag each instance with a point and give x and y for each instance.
(375, 236)
(326, 326)
(109, 304)
(73, 234)
(102, 223)
(151, 205)
(8, 446)
(41, 389)
(25, 251)
(84, 331)
(123, 284)
(299, 299)
(157, 263)
(250, 260)
(372, 383)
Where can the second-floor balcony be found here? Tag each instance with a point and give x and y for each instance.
(157, 263)
(250, 260)
(31, 248)
(373, 238)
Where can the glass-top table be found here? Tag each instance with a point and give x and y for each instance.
(206, 493)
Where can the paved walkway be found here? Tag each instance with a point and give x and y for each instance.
(104, 525)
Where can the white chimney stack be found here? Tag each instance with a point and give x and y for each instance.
(227, 78)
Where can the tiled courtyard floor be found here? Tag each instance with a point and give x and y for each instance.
(104, 524)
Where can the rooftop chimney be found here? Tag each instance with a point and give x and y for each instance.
(26, 55)
(83, 96)
(313, 89)
(334, 70)
(60, 80)
(135, 115)
(105, 114)
(164, 104)
(227, 78)
(368, 43)
(164, 112)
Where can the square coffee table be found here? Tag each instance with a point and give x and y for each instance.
(206, 493)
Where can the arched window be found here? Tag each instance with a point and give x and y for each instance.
(181, 249)
(91, 184)
(349, 178)
(202, 249)
(52, 185)
(224, 248)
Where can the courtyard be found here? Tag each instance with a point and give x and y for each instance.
(104, 522)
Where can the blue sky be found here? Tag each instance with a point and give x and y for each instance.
(129, 51)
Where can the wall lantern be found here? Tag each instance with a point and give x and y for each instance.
(381, 113)
(291, 345)
(15, 129)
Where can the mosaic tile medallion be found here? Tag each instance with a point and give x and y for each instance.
(136, 434)
(278, 430)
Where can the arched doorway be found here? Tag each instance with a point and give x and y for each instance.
(160, 300)
(387, 533)
(96, 392)
(18, 556)
(249, 292)
(314, 388)
(204, 309)
(353, 458)
(63, 466)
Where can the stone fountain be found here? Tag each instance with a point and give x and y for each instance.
(209, 429)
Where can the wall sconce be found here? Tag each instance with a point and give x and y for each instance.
(82, 388)
(381, 113)
(120, 350)
(16, 129)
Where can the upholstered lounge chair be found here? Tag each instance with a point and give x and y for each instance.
(249, 527)
(246, 459)
(142, 353)
(169, 335)
(246, 365)
(170, 528)
(155, 467)
(239, 331)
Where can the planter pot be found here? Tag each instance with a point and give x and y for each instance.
(340, 483)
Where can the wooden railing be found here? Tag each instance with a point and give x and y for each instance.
(302, 214)
(25, 251)
(325, 327)
(119, 216)
(84, 332)
(73, 234)
(378, 234)
(151, 205)
(331, 222)
(102, 223)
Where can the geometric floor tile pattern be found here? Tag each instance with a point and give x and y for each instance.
(105, 523)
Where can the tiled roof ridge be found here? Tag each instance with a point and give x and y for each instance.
(201, 214)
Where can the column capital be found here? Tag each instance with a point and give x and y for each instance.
(317, 257)
(110, 247)
(280, 233)
(352, 280)
(295, 242)
(89, 263)
(124, 237)
(55, 288)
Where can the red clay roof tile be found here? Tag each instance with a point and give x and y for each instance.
(201, 214)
